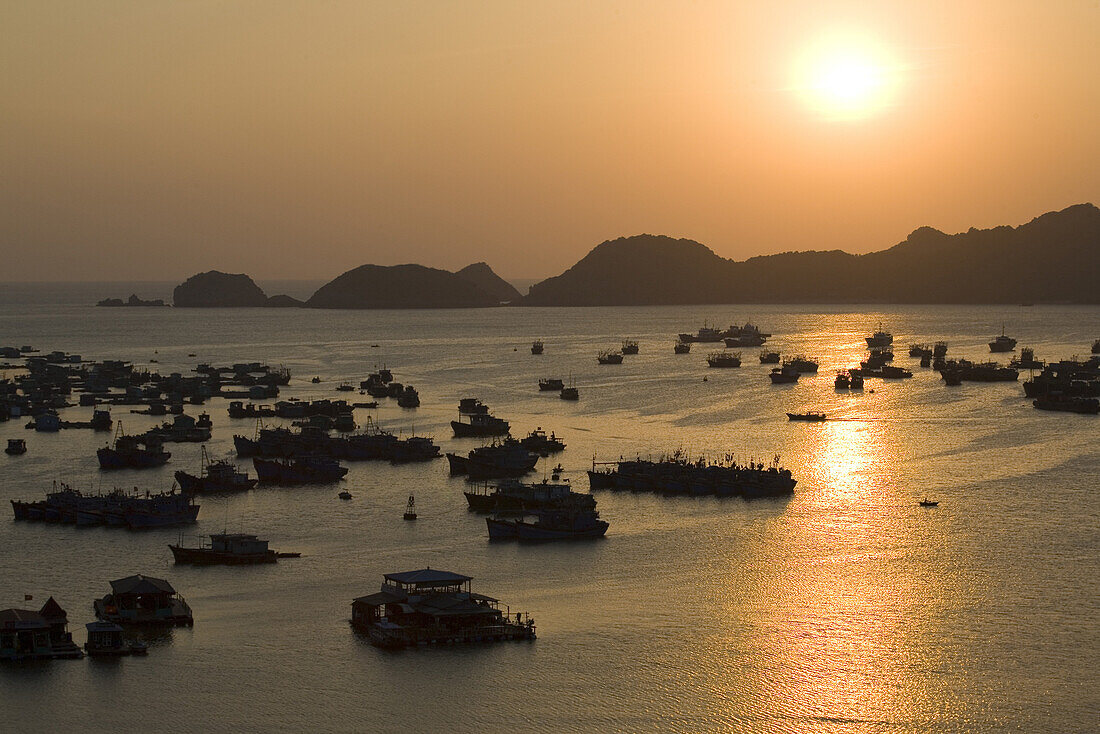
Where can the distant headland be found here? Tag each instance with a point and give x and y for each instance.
(1055, 258)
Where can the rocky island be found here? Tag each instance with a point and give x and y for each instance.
(400, 286)
(133, 300)
(481, 275)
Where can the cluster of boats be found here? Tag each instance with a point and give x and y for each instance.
(380, 384)
(537, 512)
(116, 509)
(677, 475)
(506, 458)
(735, 336)
(1071, 386)
(565, 392)
(373, 443)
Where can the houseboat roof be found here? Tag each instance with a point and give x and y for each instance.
(140, 584)
(52, 611)
(379, 598)
(11, 617)
(449, 605)
(427, 577)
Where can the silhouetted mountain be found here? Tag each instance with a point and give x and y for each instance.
(1055, 257)
(282, 301)
(481, 275)
(217, 289)
(399, 286)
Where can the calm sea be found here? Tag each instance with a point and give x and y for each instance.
(845, 608)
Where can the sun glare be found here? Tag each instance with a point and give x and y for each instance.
(845, 77)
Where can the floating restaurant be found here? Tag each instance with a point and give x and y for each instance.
(430, 607)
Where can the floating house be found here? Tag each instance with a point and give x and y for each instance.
(30, 635)
(143, 600)
(431, 607)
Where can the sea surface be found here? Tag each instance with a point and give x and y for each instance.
(843, 608)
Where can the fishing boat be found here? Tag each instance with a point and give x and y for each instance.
(16, 446)
(542, 444)
(629, 347)
(409, 398)
(480, 424)
(767, 357)
(505, 459)
(344, 495)
(1096, 347)
(215, 476)
(133, 452)
(514, 496)
(472, 406)
(802, 363)
(1002, 343)
(784, 375)
(855, 380)
(547, 525)
(810, 416)
(880, 338)
(551, 384)
(929, 503)
(413, 448)
(607, 357)
(705, 334)
(410, 509)
(300, 470)
(1067, 403)
(724, 359)
(681, 347)
(537, 347)
(843, 380)
(231, 549)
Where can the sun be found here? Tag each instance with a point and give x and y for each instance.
(846, 77)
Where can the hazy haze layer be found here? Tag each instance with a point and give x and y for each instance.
(298, 140)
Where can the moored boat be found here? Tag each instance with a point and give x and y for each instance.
(1002, 343)
(607, 357)
(880, 338)
(785, 375)
(808, 416)
(724, 359)
(233, 549)
(480, 424)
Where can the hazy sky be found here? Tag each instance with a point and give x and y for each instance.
(153, 139)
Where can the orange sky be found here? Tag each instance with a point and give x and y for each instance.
(151, 140)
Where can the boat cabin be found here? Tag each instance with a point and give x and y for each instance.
(238, 544)
(428, 606)
(105, 638)
(28, 635)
